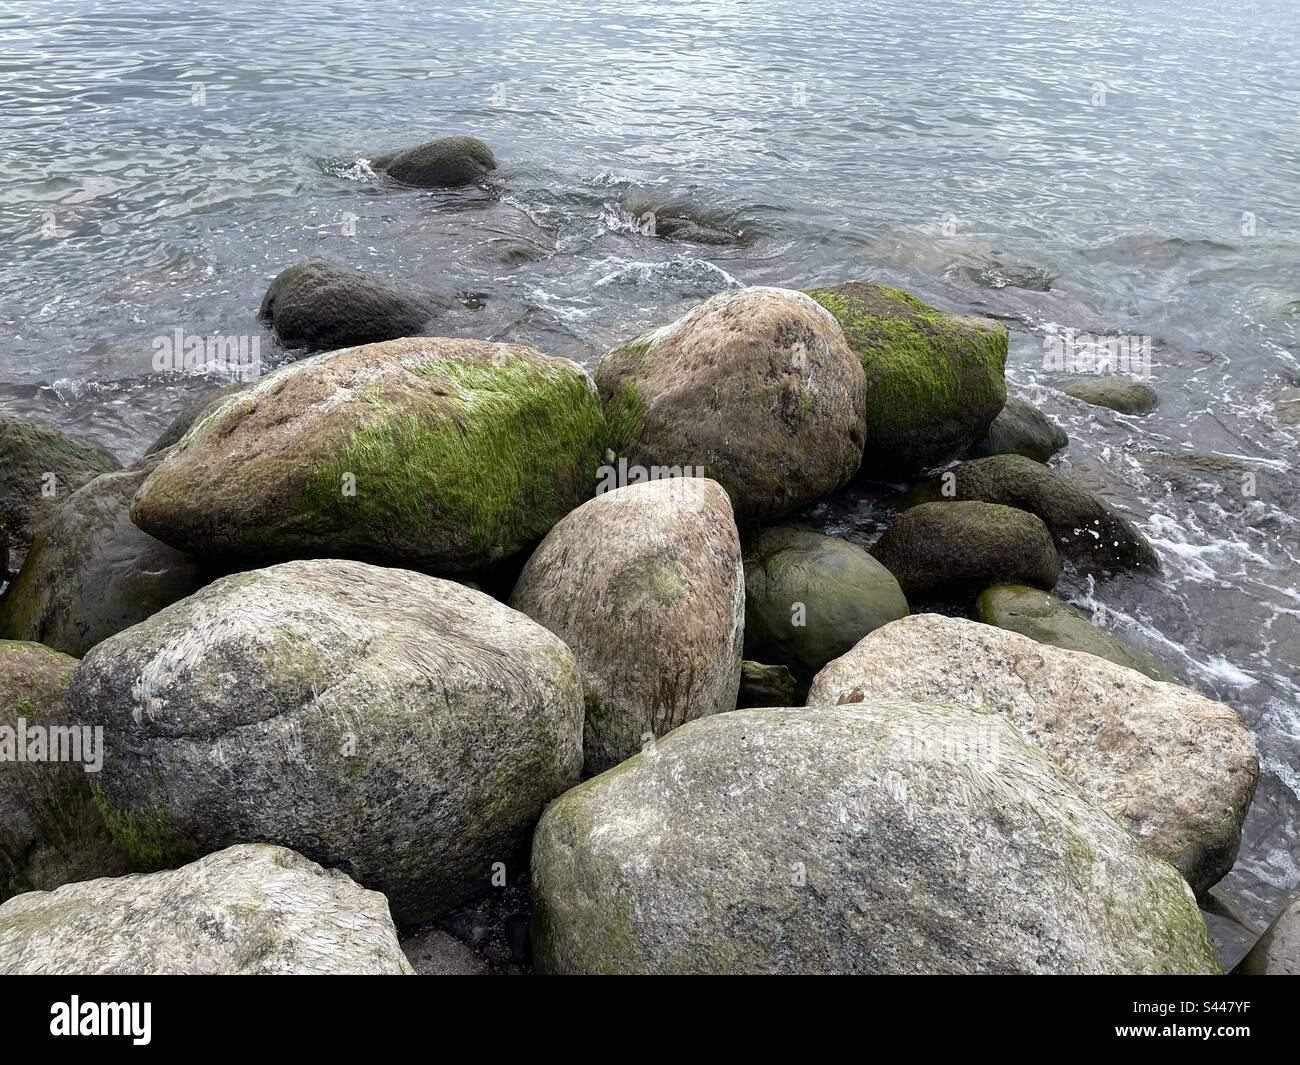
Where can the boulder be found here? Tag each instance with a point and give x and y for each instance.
(40, 466)
(1277, 952)
(1021, 429)
(321, 307)
(444, 163)
(1174, 768)
(194, 410)
(50, 831)
(435, 953)
(951, 551)
(681, 230)
(763, 685)
(657, 566)
(810, 597)
(887, 837)
(92, 572)
(252, 909)
(1049, 620)
(1121, 394)
(1092, 534)
(446, 455)
(935, 381)
(756, 386)
(403, 728)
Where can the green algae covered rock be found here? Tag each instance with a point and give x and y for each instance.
(1044, 618)
(444, 455)
(885, 837)
(935, 381)
(403, 728)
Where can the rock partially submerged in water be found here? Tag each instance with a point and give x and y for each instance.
(935, 381)
(1092, 534)
(1174, 768)
(445, 163)
(683, 230)
(1021, 429)
(1277, 952)
(400, 727)
(40, 466)
(1117, 393)
(952, 551)
(252, 909)
(754, 388)
(886, 837)
(645, 586)
(445, 455)
(810, 597)
(1045, 618)
(92, 572)
(321, 307)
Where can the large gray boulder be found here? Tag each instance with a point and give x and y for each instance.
(320, 307)
(809, 597)
(756, 386)
(645, 586)
(884, 837)
(406, 729)
(91, 572)
(1174, 768)
(252, 909)
(444, 163)
(445, 455)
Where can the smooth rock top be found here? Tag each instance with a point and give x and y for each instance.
(444, 163)
(756, 386)
(446, 455)
(1174, 768)
(1021, 429)
(885, 837)
(1117, 393)
(252, 909)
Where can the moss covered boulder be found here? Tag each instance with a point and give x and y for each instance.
(1044, 618)
(1091, 533)
(810, 597)
(445, 455)
(321, 306)
(40, 466)
(403, 728)
(1174, 768)
(935, 381)
(50, 829)
(444, 163)
(1277, 951)
(645, 586)
(1121, 394)
(194, 410)
(952, 551)
(250, 910)
(91, 572)
(887, 837)
(754, 388)
(1021, 429)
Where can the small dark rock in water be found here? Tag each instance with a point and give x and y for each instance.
(1119, 394)
(998, 275)
(688, 231)
(1021, 429)
(322, 307)
(1278, 951)
(445, 163)
(762, 685)
(955, 550)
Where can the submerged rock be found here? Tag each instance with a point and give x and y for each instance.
(92, 572)
(446, 455)
(50, 831)
(653, 568)
(40, 466)
(444, 163)
(688, 231)
(935, 381)
(252, 909)
(1174, 768)
(1092, 534)
(763, 685)
(400, 727)
(321, 307)
(885, 837)
(1021, 429)
(1117, 393)
(810, 597)
(1277, 952)
(754, 387)
(954, 550)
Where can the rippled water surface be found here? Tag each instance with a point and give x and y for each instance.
(1122, 168)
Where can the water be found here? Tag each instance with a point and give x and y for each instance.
(158, 167)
